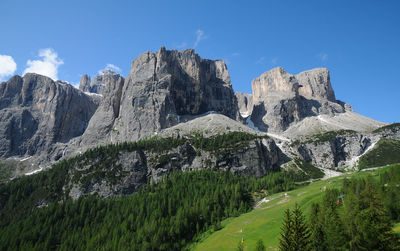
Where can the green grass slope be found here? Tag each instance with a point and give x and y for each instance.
(264, 222)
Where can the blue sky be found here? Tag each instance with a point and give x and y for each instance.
(357, 40)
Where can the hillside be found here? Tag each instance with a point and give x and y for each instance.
(264, 221)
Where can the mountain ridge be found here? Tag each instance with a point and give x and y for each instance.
(173, 92)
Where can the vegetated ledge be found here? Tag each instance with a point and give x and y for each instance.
(103, 163)
(387, 127)
(321, 138)
(386, 151)
(305, 170)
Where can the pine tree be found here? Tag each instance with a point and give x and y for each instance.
(374, 223)
(317, 237)
(335, 237)
(301, 232)
(260, 246)
(286, 239)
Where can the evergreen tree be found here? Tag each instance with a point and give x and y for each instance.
(260, 246)
(317, 238)
(335, 238)
(286, 239)
(300, 232)
(374, 224)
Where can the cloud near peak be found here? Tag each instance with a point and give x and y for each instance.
(7, 66)
(200, 35)
(110, 67)
(47, 65)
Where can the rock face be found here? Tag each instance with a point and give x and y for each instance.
(135, 168)
(282, 100)
(245, 104)
(36, 112)
(163, 86)
(99, 84)
(316, 84)
(102, 122)
(84, 84)
(333, 152)
(172, 93)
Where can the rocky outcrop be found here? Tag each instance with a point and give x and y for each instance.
(165, 85)
(99, 84)
(102, 122)
(84, 84)
(276, 82)
(282, 100)
(161, 88)
(245, 104)
(36, 112)
(133, 169)
(316, 84)
(333, 149)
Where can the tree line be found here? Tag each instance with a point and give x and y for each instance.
(359, 216)
(163, 216)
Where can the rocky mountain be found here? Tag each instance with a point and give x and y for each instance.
(99, 83)
(174, 94)
(281, 101)
(161, 88)
(36, 113)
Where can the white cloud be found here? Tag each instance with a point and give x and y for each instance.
(7, 66)
(260, 60)
(199, 36)
(110, 67)
(235, 54)
(323, 56)
(274, 61)
(47, 66)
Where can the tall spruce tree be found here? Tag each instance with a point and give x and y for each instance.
(301, 232)
(374, 224)
(286, 239)
(317, 237)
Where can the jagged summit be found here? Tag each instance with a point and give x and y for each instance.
(160, 88)
(99, 82)
(281, 100)
(314, 84)
(165, 92)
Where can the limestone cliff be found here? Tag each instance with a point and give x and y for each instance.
(36, 112)
(282, 101)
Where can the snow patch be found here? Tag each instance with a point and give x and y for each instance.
(15, 157)
(25, 158)
(244, 114)
(93, 94)
(354, 161)
(278, 136)
(210, 112)
(35, 171)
